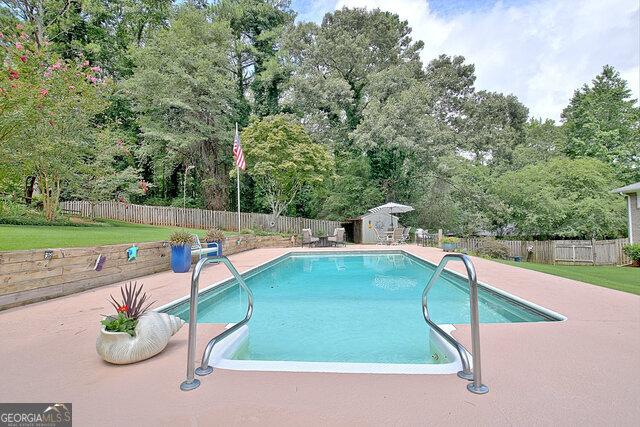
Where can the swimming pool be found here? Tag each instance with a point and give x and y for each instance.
(349, 308)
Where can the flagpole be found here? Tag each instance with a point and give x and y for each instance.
(238, 181)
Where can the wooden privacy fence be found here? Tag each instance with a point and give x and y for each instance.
(578, 252)
(195, 218)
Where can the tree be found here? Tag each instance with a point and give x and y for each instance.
(352, 191)
(401, 136)
(48, 105)
(494, 127)
(332, 67)
(563, 198)
(98, 31)
(183, 92)
(109, 171)
(603, 121)
(458, 196)
(543, 141)
(256, 26)
(352, 79)
(282, 159)
(451, 83)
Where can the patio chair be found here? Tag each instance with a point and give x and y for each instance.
(396, 237)
(405, 235)
(381, 239)
(337, 238)
(307, 237)
(420, 236)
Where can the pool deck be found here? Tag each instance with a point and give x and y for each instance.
(580, 371)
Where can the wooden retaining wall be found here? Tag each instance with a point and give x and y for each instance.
(196, 218)
(26, 276)
(578, 252)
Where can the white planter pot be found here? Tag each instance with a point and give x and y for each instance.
(152, 334)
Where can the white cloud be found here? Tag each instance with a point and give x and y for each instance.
(312, 10)
(540, 51)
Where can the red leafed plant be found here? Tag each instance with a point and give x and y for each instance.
(133, 304)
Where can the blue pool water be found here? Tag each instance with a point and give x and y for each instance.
(349, 308)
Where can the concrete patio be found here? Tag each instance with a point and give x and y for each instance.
(579, 371)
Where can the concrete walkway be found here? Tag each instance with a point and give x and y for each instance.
(580, 371)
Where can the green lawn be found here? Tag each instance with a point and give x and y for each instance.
(625, 279)
(14, 237)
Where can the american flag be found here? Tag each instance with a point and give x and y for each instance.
(238, 155)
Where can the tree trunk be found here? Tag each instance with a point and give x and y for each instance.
(28, 190)
(50, 186)
(215, 191)
(215, 182)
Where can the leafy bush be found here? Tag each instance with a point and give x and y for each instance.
(13, 213)
(493, 249)
(214, 235)
(15, 220)
(450, 239)
(178, 238)
(120, 323)
(632, 251)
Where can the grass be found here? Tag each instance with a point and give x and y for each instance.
(626, 279)
(16, 237)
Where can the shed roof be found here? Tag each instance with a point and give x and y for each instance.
(366, 214)
(631, 188)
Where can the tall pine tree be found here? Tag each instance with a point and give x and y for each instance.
(602, 121)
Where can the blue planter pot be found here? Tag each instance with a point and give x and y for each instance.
(213, 245)
(449, 247)
(180, 258)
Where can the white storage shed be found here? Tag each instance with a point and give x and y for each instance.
(361, 228)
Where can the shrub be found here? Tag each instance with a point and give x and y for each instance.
(13, 213)
(178, 238)
(450, 239)
(493, 249)
(213, 235)
(632, 251)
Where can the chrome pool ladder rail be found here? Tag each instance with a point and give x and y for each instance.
(191, 382)
(467, 373)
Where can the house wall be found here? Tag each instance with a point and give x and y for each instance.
(376, 220)
(634, 217)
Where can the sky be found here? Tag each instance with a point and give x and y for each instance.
(539, 50)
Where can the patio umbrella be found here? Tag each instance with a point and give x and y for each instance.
(391, 208)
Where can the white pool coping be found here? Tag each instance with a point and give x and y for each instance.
(221, 358)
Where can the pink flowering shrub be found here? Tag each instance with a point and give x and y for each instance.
(47, 105)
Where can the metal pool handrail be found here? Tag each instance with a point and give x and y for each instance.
(476, 386)
(191, 382)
